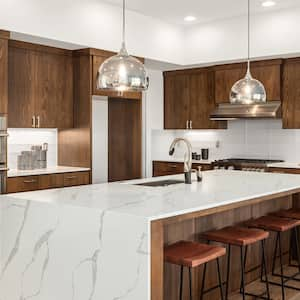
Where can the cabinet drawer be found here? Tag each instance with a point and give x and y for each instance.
(22, 184)
(51, 181)
(284, 170)
(204, 167)
(166, 168)
(76, 178)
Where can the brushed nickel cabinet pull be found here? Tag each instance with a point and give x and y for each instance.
(173, 166)
(30, 181)
(191, 124)
(71, 177)
(33, 122)
(187, 124)
(38, 121)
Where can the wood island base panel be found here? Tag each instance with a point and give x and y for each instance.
(107, 240)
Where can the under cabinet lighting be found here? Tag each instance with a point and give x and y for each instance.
(268, 3)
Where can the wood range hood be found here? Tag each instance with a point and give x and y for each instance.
(227, 111)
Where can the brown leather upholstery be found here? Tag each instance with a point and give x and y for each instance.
(292, 213)
(192, 254)
(235, 235)
(274, 223)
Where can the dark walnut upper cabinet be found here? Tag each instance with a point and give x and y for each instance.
(268, 72)
(4, 36)
(40, 82)
(189, 99)
(291, 94)
(99, 56)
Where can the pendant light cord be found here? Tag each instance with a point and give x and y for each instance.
(248, 65)
(124, 24)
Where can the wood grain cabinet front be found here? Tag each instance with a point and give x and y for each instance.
(40, 86)
(163, 168)
(76, 178)
(268, 72)
(49, 181)
(284, 170)
(22, 184)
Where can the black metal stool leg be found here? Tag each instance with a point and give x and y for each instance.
(275, 254)
(242, 273)
(228, 271)
(264, 266)
(281, 266)
(181, 282)
(190, 279)
(297, 246)
(203, 282)
(220, 280)
(245, 260)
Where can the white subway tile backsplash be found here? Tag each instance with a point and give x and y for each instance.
(21, 139)
(243, 138)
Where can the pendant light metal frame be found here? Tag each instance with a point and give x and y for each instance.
(248, 90)
(122, 72)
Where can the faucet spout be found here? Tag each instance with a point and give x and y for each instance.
(187, 157)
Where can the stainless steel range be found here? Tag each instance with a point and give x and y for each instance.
(244, 164)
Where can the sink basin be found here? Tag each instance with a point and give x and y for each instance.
(161, 183)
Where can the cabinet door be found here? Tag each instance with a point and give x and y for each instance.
(54, 90)
(202, 101)
(97, 62)
(51, 181)
(268, 72)
(291, 94)
(176, 101)
(21, 87)
(3, 75)
(22, 184)
(76, 178)
(163, 168)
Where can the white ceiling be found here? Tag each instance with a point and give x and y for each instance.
(174, 11)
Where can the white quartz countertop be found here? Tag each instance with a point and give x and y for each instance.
(286, 165)
(50, 170)
(218, 188)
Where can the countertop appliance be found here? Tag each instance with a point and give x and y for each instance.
(244, 164)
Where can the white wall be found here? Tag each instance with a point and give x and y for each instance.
(153, 107)
(22, 139)
(100, 139)
(252, 139)
(92, 23)
(272, 34)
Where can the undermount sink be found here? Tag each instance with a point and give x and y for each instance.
(161, 183)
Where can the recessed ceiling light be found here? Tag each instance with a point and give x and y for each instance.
(268, 3)
(190, 18)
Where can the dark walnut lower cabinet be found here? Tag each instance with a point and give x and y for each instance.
(163, 168)
(284, 170)
(49, 181)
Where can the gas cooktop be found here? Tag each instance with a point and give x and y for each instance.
(249, 161)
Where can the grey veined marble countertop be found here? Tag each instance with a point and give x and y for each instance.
(218, 188)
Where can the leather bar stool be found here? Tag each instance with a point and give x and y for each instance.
(278, 225)
(191, 255)
(242, 238)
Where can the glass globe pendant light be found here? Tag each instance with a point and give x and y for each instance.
(122, 72)
(248, 90)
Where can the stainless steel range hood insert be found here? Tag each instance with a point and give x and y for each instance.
(227, 111)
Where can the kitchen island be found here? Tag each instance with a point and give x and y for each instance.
(106, 241)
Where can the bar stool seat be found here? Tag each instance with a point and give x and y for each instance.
(292, 213)
(238, 236)
(274, 223)
(279, 224)
(241, 237)
(191, 254)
